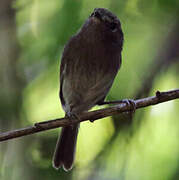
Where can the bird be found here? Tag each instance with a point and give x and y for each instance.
(89, 64)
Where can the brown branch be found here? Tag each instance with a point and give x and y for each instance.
(93, 115)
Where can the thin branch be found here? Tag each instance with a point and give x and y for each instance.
(93, 115)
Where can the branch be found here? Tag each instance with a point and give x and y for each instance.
(93, 115)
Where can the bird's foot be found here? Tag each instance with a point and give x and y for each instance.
(126, 101)
(130, 102)
(71, 117)
(110, 102)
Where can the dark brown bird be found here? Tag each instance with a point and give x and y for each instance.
(90, 62)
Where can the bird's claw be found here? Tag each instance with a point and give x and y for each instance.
(132, 103)
(71, 117)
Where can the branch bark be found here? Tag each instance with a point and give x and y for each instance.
(160, 97)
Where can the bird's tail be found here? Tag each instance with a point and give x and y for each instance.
(65, 148)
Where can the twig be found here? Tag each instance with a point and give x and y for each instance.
(93, 115)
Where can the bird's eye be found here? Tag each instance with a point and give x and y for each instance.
(97, 14)
(113, 26)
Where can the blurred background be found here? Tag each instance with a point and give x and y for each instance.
(32, 37)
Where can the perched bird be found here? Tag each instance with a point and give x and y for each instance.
(89, 64)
